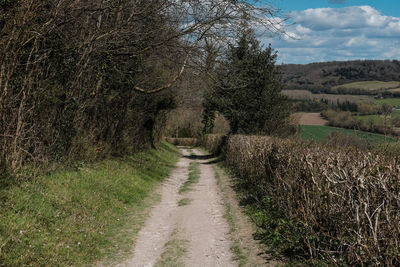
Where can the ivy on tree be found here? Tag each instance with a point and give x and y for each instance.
(247, 90)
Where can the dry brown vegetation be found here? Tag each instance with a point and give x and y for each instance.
(339, 206)
(213, 142)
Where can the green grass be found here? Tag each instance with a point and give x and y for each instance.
(73, 218)
(194, 176)
(318, 133)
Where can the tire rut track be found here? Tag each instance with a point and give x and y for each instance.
(200, 223)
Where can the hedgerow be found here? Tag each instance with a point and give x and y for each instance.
(335, 205)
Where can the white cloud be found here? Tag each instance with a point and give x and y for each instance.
(361, 42)
(291, 36)
(346, 18)
(358, 32)
(303, 30)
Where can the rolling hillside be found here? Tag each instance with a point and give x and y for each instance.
(322, 77)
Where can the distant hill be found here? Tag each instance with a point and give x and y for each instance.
(321, 77)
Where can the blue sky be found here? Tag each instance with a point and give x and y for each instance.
(326, 30)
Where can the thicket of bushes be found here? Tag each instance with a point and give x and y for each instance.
(82, 79)
(68, 74)
(338, 206)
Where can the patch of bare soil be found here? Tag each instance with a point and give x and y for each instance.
(309, 119)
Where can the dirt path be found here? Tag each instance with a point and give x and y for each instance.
(203, 223)
(195, 234)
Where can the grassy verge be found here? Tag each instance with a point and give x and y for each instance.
(71, 218)
(194, 175)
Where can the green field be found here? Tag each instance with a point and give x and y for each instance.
(370, 85)
(395, 102)
(318, 133)
(378, 119)
(375, 118)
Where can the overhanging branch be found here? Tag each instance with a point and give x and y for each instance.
(153, 91)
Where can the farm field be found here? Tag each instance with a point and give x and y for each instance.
(303, 118)
(333, 98)
(318, 133)
(370, 86)
(395, 102)
(377, 118)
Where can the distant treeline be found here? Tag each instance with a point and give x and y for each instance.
(321, 77)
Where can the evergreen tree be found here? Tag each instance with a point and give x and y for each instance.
(247, 90)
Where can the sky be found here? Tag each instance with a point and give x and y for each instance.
(328, 30)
